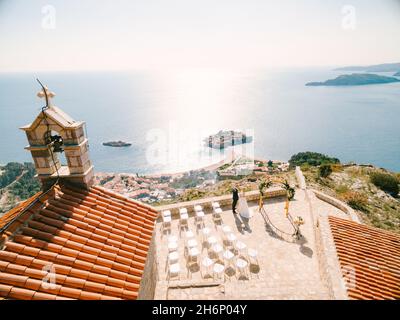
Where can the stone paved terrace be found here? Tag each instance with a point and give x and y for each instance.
(287, 269)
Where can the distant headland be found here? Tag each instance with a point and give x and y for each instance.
(385, 67)
(355, 79)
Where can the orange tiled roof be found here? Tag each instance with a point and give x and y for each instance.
(10, 215)
(96, 241)
(373, 254)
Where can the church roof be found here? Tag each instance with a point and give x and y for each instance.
(95, 241)
(369, 258)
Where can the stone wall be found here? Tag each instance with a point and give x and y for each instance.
(328, 263)
(225, 200)
(329, 267)
(338, 204)
(149, 278)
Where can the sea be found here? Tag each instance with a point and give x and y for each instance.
(166, 115)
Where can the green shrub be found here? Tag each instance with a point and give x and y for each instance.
(385, 182)
(305, 167)
(324, 170)
(356, 200)
(342, 189)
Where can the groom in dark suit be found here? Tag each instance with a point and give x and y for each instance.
(235, 198)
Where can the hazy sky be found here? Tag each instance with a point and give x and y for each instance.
(100, 34)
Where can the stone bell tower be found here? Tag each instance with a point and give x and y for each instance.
(52, 132)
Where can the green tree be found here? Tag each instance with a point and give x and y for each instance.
(311, 158)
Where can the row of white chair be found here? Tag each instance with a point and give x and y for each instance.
(183, 217)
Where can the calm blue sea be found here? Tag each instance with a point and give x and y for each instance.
(166, 114)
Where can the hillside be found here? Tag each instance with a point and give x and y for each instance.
(17, 183)
(352, 184)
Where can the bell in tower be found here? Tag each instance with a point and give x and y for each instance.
(54, 132)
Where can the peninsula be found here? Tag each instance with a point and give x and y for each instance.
(355, 79)
(385, 67)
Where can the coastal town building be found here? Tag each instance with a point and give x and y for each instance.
(77, 240)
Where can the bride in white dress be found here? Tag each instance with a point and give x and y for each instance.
(243, 208)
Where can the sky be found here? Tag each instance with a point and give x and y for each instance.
(75, 35)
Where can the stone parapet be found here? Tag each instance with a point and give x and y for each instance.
(300, 178)
(338, 204)
(224, 200)
(150, 274)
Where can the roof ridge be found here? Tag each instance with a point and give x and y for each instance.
(364, 226)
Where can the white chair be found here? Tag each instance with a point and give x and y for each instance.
(253, 255)
(198, 208)
(228, 257)
(215, 205)
(172, 238)
(240, 247)
(172, 246)
(206, 263)
(172, 258)
(217, 215)
(218, 270)
(193, 254)
(217, 249)
(191, 243)
(183, 219)
(166, 224)
(199, 219)
(241, 266)
(166, 213)
(230, 239)
(174, 270)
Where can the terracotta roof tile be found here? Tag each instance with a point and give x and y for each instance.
(369, 258)
(95, 240)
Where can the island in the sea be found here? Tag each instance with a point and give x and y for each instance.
(227, 138)
(355, 79)
(117, 144)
